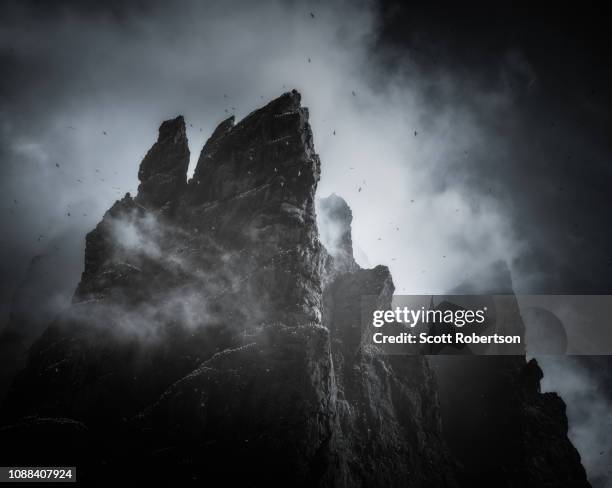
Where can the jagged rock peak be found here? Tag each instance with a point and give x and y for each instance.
(335, 218)
(163, 171)
(271, 146)
(213, 142)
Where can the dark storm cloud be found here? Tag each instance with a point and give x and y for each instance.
(546, 153)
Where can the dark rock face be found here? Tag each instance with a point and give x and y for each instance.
(544, 422)
(163, 171)
(40, 296)
(384, 401)
(497, 424)
(28, 318)
(212, 330)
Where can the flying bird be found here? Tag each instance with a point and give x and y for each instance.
(104, 132)
(312, 15)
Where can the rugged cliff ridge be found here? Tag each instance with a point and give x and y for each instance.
(212, 334)
(499, 426)
(211, 330)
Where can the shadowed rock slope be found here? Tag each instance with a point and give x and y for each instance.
(499, 426)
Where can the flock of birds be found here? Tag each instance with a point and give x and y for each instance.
(227, 110)
(105, 133)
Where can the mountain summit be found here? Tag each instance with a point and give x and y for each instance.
(213, 336)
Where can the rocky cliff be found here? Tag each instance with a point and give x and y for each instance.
(213, 335)
(498, 425)
(212, 330)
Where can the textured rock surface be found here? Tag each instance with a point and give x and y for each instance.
(212, 330)
(386, 404)
(163, 171)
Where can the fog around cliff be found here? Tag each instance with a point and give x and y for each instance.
(444, 173)
(85, 104)
(446, 169)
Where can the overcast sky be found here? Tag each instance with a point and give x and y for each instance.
(462, 136)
